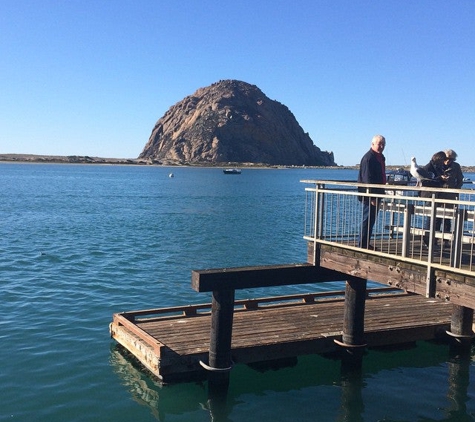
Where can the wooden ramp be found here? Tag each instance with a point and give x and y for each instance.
(171, 342)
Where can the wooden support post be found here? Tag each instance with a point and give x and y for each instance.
(462, 320)
(461, 326)
(430, 281)
(222, 311)
(219, 360)
(353, 322)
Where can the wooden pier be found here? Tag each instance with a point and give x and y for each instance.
(425, 294)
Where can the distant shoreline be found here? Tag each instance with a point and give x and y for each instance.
(85, 159)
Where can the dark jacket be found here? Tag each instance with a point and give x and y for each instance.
(371, 171)
(454, 180)
(436, 182)
(455, 176)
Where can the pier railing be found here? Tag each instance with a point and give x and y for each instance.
(407, 224)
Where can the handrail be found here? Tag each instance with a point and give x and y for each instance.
(333, 215)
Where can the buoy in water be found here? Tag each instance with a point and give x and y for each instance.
(171, 175)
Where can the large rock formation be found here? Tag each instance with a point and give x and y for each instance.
(232, 121)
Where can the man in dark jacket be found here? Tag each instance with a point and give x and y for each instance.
(372, 170)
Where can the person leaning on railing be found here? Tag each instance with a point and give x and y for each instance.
(452, 179)
(452, 170)
(436, 167)
(372, 170)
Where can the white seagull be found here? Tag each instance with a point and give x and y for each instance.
(418, 172)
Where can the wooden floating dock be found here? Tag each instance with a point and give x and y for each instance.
(171, 342)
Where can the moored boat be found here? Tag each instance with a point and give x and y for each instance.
(232, 171)
(400, 177)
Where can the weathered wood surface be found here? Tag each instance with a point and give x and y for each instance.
(397, 272)
(264, 276)
(277, 331)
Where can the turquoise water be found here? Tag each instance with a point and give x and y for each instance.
(79, 243)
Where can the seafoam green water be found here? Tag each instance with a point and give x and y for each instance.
(78, 243)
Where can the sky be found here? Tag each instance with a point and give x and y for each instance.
(92, 77)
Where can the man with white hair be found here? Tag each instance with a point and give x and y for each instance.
(372, 170)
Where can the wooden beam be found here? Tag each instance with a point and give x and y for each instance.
(222, 311)
(261, 276)
(448, 287)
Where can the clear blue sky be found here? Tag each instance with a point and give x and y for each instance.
(91, 77)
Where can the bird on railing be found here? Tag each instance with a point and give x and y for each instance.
(419, 172)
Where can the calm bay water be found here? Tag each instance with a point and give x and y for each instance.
(79, 243)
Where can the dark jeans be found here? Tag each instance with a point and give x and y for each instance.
(439, 222)
(369, 218)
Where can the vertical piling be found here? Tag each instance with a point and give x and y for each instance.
(353, 322)
(219, 361)
(461, 327)
(222, 311)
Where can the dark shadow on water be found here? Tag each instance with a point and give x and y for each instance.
(458, 385)
(352, 404)
(222, 402)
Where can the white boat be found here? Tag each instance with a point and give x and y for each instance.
(232, 171)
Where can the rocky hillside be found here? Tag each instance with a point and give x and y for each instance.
(231, 121)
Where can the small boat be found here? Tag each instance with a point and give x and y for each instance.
(400, 177)
(232, 171)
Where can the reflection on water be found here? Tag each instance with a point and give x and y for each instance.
(458, 386)
(311, 383)
(352, 405)
(161, 400)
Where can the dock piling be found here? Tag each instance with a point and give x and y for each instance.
(353, 322)
(222, 311)
(461, 327)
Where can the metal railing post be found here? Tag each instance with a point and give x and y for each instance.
(456, 256)
(319, 211)
(406, 234)
(430, 279)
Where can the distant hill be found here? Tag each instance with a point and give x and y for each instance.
(232, 121)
